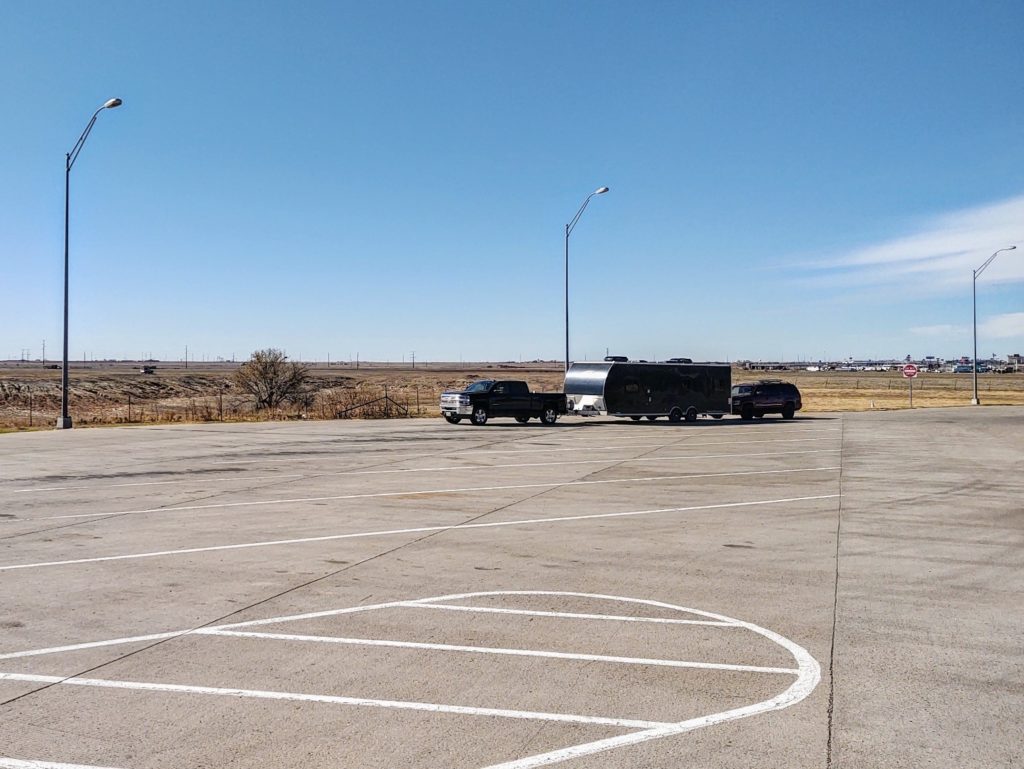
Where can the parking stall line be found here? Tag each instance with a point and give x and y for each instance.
(332, 699)
(14, 763)
(414, 530)
(284, 476)
(569, 615)
(419, 492)
(497, 651)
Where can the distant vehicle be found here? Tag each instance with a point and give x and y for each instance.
(147, 370)
(616, 358)
(509, 398)
(637, 390)
(767, 396)
(679, 360)
(960, 368)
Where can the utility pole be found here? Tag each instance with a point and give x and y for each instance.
(186, 356)
(44, 351)
(414, 359)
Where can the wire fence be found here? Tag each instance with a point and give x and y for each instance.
(26, 408)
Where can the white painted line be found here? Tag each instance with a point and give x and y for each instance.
(463, 490)
(498, 651)
(173, 633)
(242, 478)
(14, 763)
(90, 645)
(543, 448)
(334, 700)
(343, 473)
(620, 460)
(807, 679)
(415, 530)
(567, 615)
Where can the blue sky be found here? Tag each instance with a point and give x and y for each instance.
(787, 179)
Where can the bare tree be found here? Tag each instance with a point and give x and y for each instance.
(270, 379)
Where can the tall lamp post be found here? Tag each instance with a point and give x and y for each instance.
(64, 420)
(974, 301)
(568, 230)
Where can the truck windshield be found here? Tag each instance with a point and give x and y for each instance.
(480, 387)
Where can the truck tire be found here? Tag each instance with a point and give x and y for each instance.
(479, 416)
(453, 418)
(747, 412)
(549, 416)
(675, 415)
(691, 414)
(522, 420)
(788, 411)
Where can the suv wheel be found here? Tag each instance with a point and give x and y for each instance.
(747, 412)
(479, 416)
(788, 411)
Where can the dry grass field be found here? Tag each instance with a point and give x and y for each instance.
(117, 393)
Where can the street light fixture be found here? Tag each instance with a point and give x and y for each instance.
(64, 420)
(974, 300)
(568, 229)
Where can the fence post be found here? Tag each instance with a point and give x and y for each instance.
(30, 407)
(129, 407)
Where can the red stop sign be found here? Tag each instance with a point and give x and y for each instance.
(910, 371)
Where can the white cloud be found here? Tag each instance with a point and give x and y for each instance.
(940, 330)
(940, 256)
(1005, 326)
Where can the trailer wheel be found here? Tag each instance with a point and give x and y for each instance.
(549, 416)
(747, 412)
(453, 418)
(479, 416)
(691, 414)
(636, 419)
(652, 417)
(675, 415)
(716, 416)
(522, 420)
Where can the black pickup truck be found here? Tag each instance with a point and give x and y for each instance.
(488, 398)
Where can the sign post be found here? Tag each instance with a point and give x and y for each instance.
(909, 372)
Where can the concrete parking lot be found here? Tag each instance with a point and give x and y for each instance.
(836, 590)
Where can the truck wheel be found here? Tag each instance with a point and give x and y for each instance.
(747, 412)
(691, 414)
(652, 417)
(522, 420)
(549, 416)
(788, 411)
(479, 416)
(675, 415)
(453, 418)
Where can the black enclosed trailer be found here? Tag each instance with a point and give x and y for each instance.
(674, 390)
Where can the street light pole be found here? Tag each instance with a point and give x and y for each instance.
(974, 303)
(568, 230)
(64, 421)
